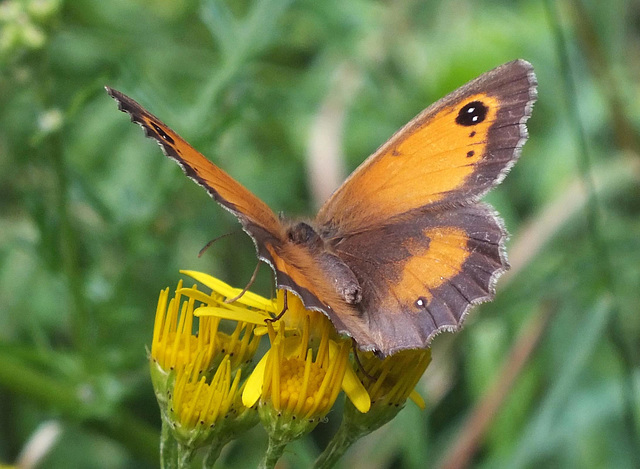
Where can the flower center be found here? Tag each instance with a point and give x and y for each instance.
(292, 379)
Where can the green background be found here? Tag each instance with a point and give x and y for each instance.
(94, 221)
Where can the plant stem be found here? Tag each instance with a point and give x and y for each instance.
(347, 434)
(185, 455)
(214, 452)
(274, 452)
(168, 448)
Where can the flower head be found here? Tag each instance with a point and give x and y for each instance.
(298, 330)
(174, 343)
(389, 381)
(209, 390)
(394, 377)
(298, 381)
(197, 375)
(203, 409)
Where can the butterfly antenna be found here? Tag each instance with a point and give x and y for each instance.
(246, 288)
(285, 307)
(208, 245)
(357, 360)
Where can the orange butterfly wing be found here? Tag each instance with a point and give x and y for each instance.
(407, 221)
(250, 210)
(453, 152)
(295, 267)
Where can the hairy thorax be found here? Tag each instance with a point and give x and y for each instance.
(344, 280)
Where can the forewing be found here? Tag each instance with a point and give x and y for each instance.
(450, 154)
(256, 217)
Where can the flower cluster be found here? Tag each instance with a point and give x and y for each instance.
(212, 387)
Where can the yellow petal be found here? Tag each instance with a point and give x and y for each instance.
(248, 298)
(417, 399)
(241, 314)
(253, 387)
(352, 386)
(196, 294)
(262, 330)
(355, 391)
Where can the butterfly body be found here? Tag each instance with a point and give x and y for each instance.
(344, 280)
(403, 249)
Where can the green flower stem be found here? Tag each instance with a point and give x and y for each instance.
(168, 448)
(213, 452)
(185, 455)
(173, 453)
(347, 434)
(274, 452)
(354, 426)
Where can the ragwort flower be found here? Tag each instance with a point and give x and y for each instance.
(300, 377)
(389, 382)
(196, 376)
(210, 392)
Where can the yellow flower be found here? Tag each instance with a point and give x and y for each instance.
(394, 377)
(196, 402)
(295, 383)
(389, 382)
(298, 329)
(174, 343)
(200, 402)
(208, 412)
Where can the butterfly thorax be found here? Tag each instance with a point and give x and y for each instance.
(303, 233)
(342, 277)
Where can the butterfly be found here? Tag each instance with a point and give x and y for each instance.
(403, 249)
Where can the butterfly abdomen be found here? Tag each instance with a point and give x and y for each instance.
(344, 280)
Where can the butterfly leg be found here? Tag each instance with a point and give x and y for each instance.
(244, 290)
(356, 357)
(285, 307)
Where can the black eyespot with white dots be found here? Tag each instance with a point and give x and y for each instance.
(421, 302)
(162, 134)
(472, 114)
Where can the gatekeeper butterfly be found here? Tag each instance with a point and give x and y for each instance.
(403, 249)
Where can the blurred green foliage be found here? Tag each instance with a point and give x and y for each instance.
(94, 221)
